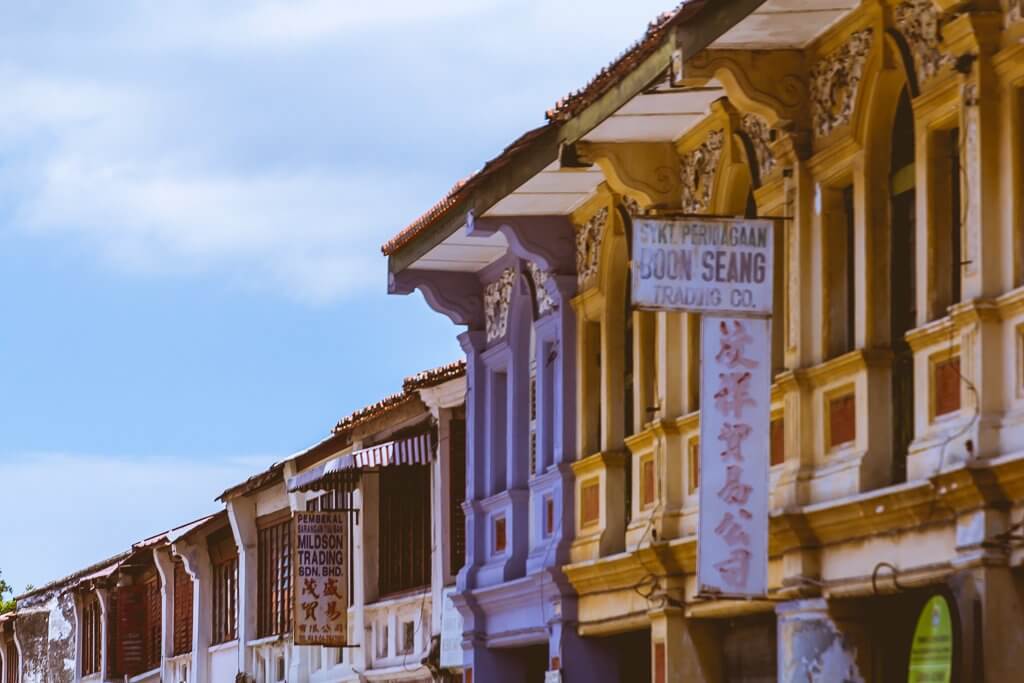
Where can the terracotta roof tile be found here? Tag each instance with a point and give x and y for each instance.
(441, 208)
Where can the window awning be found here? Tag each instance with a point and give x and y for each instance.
(414, 450)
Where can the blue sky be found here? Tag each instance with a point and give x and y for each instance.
(192, 197)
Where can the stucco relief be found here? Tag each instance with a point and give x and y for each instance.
(759, 133)
(588, 246)
(632, 205)
(1014, 10)
(545, 304)
(497, 296)
(918, 22)
(835, 81)
(698, 173)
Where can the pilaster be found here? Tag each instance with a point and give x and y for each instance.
(197, 563)
(165, 568)
(684, 650)
(820, 642)
(242, 515)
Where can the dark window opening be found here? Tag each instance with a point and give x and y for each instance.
(224, 561)
(404, 533)
(182, 609)
(457, 493)
(91, 630)
(274, 579)
(902, 302)
(839, 224)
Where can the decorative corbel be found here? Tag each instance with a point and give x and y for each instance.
(648, 172)
(769, 83)
(544, 240)
(454, 294)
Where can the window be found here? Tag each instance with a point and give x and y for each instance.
(274, 594)
(12, 659)
(182, 609)
(838, 223)
(457, 492)
(136, 622)
(404, 528)
(224, 561)
(154, 621)
(535, 468)
(92, 640)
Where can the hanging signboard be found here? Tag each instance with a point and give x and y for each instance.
(320, 582)
(451, 633)
(706, 265)
(735, 391)
(931, 654)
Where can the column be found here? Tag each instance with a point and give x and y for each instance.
(242, 515)
(197, 564)
(165, 568)
(683, 650)
(820, 643)
(104, 597)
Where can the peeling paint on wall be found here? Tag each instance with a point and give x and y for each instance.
(813, 650)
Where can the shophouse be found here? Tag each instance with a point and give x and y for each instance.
(886, 139)
(396, 469)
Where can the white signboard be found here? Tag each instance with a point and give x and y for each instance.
(320, 579)
(703, 265)
(735, 395)
(451, 633)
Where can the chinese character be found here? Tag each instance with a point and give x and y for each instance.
(332, 610)
(310, 608)
(734, 394)
(734, 570)
(730, 530)
(733, 435)
(734, 492)
(332, 588)
(310, 588)
(731, 346)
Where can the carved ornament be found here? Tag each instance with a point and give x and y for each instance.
(759, 134)
(918, 22)
(1014, 11)
(497, 297)
(588, 246)
(698, 172)
(540, 277)
(835, 81)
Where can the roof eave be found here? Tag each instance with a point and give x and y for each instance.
(708, 23)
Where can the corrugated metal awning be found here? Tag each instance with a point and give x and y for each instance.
(414, 450)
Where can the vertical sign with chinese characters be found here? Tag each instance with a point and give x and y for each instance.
(732, 553)
(320, 584)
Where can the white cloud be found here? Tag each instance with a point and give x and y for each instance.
(106, 170)
(63, 512)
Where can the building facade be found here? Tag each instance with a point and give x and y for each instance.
(885, 140)
(211, 601)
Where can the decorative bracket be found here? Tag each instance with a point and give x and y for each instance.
(454, 294)
(646, 171)
(770, 83)
(545, 240)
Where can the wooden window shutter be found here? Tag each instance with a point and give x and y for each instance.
(131, 630)
(457, 492)
(182, 609)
